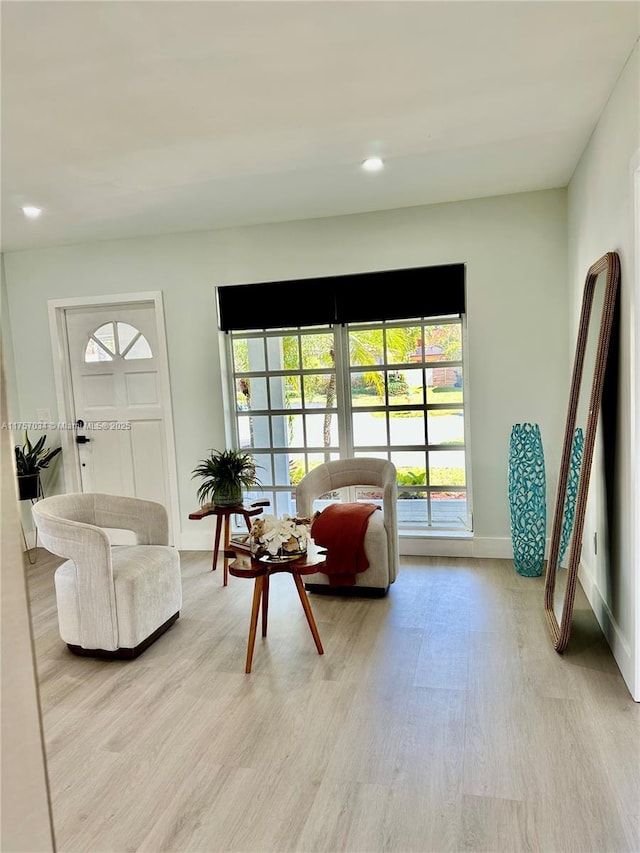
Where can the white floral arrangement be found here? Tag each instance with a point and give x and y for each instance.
(279, 537)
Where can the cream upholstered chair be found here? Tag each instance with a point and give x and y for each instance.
(113, 600)
(381, 536)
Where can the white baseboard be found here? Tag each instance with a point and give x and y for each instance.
(456, 546)
(618, 644)
(499, 547)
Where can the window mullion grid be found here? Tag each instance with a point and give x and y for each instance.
(233, 420)
(302, 373)
(303, 405)
(344, 403)
(343, 390)
(133, 340)
(385, 375)
(102, 346)
(467, 447)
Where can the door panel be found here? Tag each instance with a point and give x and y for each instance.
(148, 461)
(142, 389)
(116, 392)
(99, 393)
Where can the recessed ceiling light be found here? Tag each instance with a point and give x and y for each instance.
(372, 164)
(31, 212)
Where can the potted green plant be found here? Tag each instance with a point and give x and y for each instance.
(224, 473)
(31, 459)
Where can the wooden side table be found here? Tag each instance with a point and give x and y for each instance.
(223, 518)
(246, 566)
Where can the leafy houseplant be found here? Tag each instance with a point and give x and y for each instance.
(31, 459)
(224, 473)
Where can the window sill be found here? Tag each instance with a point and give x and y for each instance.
(416, 533)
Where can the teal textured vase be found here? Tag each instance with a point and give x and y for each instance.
(527, 499)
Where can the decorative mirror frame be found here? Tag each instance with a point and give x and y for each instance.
(609, 264)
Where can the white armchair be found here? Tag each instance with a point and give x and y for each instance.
(381, 536)
(113, 601)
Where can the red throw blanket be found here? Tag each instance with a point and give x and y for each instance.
(340, 528)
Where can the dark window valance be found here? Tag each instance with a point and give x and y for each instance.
(361, 297)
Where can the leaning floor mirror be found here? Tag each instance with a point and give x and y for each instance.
(585, 397)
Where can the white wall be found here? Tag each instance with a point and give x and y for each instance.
(6, 343)
(601, 219)
(515, 250)
(25, 807)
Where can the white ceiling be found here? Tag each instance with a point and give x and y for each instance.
(138, 118)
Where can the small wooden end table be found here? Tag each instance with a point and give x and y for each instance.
(244, 565)
(223, 517)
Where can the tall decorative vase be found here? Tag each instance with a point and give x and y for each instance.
(527, 499)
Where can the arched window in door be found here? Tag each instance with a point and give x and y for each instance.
(117, 340)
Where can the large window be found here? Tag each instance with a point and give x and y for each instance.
(392, 389)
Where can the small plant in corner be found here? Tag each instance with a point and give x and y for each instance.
(31, 459)
(224, 473)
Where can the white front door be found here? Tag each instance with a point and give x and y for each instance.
(117, 400)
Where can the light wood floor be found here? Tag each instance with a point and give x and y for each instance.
(439, 719)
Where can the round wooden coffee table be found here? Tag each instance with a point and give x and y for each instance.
(244, 565)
